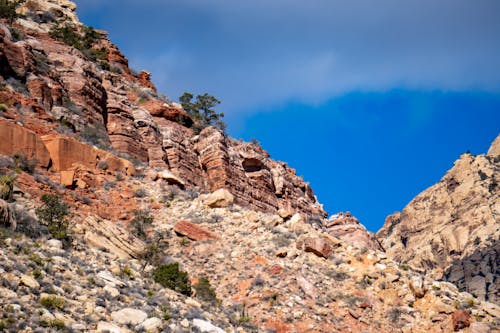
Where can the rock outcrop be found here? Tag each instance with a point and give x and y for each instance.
(102, 103)
(452, 230)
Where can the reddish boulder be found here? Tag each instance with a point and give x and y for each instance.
(315, 245)
(460, 319)
(172, 112)
(193, 231)
(145, 79)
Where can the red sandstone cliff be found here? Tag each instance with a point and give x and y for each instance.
(50, 88)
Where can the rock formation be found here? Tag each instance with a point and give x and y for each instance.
(102, 103)
(451, 230)
(145, 192)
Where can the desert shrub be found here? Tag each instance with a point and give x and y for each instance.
(96, 135)
(52, 302)
(394, 314)
(170, 276)
(205, 291)
(141, 223)
(8, 9)
(140, 193)
(23, 163)
(7, 186)
(42, 17)
(28, 225)
(191, 194)
(18, 86)
(103, 165)
(54, 214)
(58, 324)
(71, 106)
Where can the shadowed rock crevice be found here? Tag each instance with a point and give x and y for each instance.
(478, 273)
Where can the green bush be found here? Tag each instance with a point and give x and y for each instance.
(201, 110)
(170, 276)
(7, 186)
(54, 214)
(58, 324)
(83, 39)
(23, 163)
(8, 9)
(204, 290)
(52, 302)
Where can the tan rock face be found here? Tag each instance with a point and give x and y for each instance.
(347, 228)
(16, 139)
(451, 229)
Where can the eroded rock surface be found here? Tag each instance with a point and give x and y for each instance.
(452, 230)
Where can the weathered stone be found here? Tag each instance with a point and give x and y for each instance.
(109, 279)
(219, 198)
(105, 327)
(29, 282)
(206, 327)
(55, 244)
(104, 234)
(417, 286)
(151, 325)
(460, 319)
(193, 231)
(315, 245)
(347, 228)
(129, 316)
(479, 327)
(170, 178)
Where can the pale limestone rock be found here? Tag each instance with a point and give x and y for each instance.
(171, 178)
(113, 292)
(219, 198)
(206, 327)
(103, 233)
(55, 244)
(29, 282)
(129, 316)
(151, 325)
(109, 279)
(417, 286)
(105, 327)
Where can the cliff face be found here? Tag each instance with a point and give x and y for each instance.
(452, 229)
(90, 94)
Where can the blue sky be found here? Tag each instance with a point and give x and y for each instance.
(370, 103)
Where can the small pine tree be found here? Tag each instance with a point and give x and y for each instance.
(201, 110)
(54, 214)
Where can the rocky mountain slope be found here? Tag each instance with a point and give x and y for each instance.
(451, 231)
(172, 231)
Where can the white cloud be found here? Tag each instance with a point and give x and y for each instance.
(265, 52)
